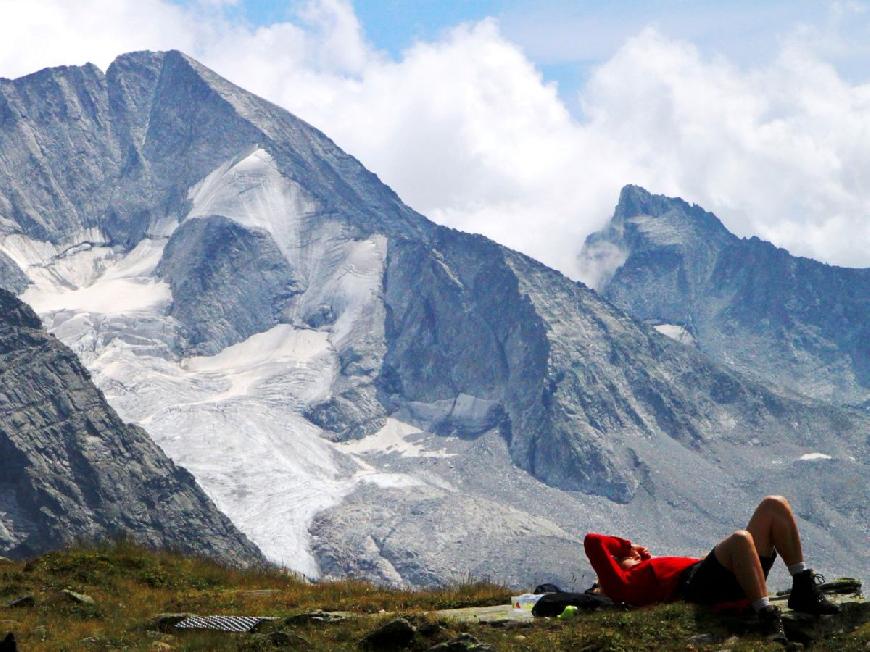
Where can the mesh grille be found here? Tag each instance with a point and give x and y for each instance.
(222, 623)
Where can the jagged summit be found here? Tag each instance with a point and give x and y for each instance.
(147, 131)
(674, 218)
(747, 303)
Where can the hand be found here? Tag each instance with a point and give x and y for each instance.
(640, 551)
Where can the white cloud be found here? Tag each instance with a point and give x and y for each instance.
(468, 132)
(782, 151)
(35, 34)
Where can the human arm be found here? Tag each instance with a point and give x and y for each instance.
(602, 551)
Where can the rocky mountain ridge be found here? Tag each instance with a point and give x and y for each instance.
(361, 391)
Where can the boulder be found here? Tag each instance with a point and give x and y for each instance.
(281, 638)
(24, 601)
(462, 643)
(396, 634)
(316, 616)
(8, 644)
(166, 622)
(78, 598)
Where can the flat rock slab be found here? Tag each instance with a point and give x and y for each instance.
(78, 598)
(855, 612)
(322, 617)
(500, 613)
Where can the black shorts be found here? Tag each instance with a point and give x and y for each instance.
(709, 582)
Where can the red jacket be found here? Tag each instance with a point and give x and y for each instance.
(654, 579)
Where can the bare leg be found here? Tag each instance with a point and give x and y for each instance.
(738, 554)
(772, 527)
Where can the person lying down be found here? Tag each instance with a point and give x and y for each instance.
(735, 569)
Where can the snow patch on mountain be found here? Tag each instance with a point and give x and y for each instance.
(251, 363)
(395, 437)
(676, 332)
(89, 277)
(252, 192)
(658, 231)
(813, 457)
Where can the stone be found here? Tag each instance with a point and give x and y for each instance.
(317, 616)
(79, 598)
(8, 643)
(24, 601)
(396, 634)
(462, 643)
(166, 622)
(431, 630)
(283, 638)
(160, 646)
(226, 280)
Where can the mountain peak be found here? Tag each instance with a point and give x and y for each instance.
(675, 219)
(140, 58)
(666, 261)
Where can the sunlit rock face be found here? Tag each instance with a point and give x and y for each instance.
(792, 322)
(361, 391)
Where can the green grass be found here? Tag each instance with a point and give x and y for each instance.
(130, 585)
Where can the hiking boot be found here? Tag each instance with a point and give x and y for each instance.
(770, 624)
(807, 597)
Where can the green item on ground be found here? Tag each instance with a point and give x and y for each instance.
(569, 612)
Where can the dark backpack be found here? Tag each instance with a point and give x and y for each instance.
(552, 604)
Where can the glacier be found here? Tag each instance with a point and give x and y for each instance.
(362, 392)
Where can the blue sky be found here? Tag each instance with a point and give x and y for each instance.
(567, 39)
(522, 119)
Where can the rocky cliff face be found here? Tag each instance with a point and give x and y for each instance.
(71, 470)
(360, 390)
(12, 278)
(790, 321)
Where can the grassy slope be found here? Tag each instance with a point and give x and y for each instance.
(131, 585)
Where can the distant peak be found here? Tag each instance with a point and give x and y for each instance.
(139, 58)
(636, 201)
(630, 192)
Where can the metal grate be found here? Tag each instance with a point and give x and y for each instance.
(222, 623)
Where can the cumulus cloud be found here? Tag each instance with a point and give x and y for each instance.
(467, 131)
(41, 33)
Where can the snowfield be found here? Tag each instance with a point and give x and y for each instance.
(233, 419)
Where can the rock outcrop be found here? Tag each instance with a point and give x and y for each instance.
(71, 470)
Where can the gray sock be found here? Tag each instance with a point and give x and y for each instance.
(799, 567)
(761, 603)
